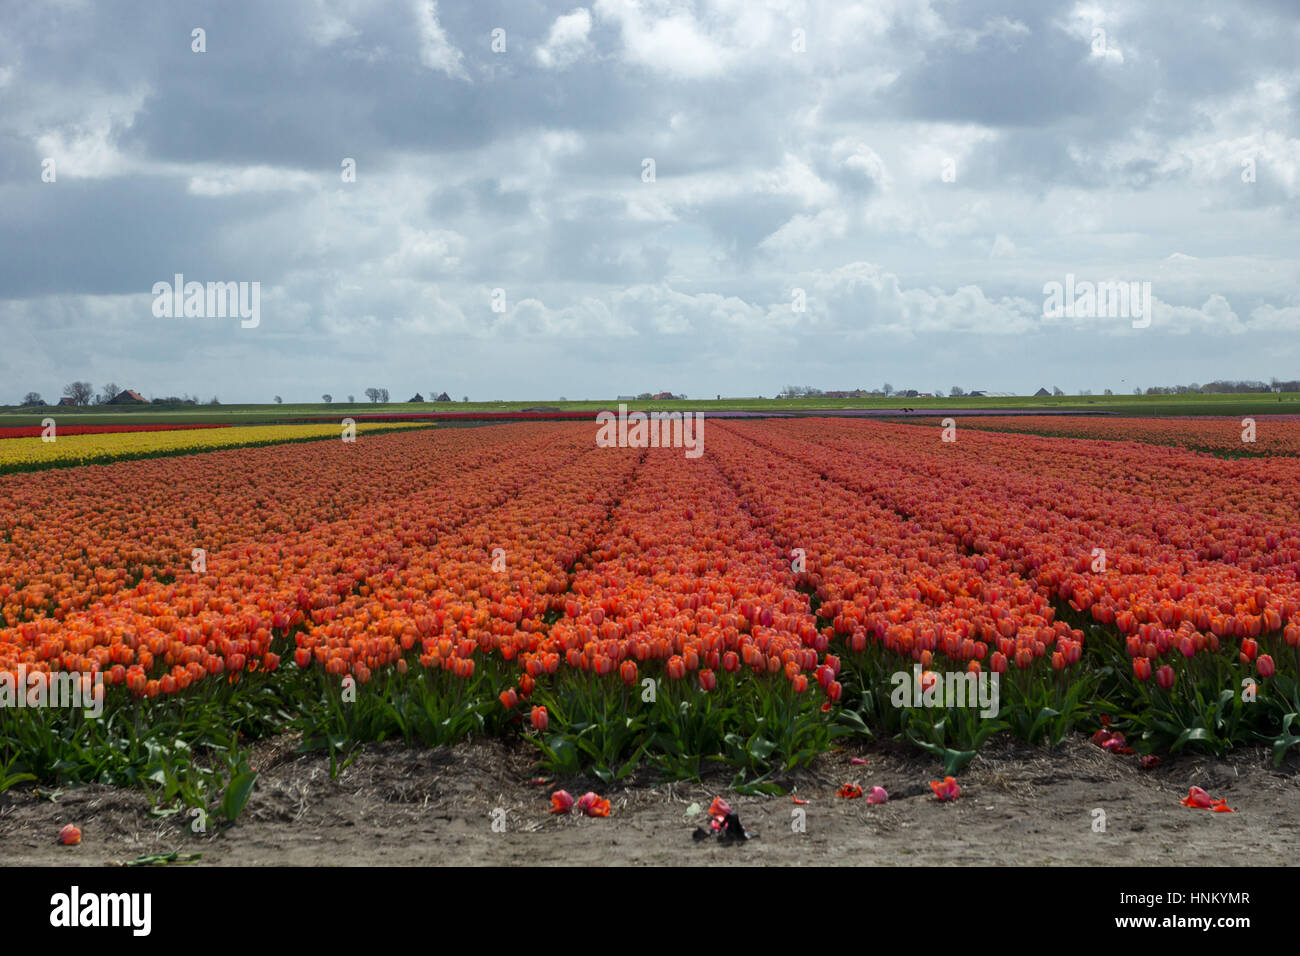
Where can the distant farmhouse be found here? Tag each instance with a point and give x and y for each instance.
(128, 397)
(1042, 392)
(417, 397)
(444, 397)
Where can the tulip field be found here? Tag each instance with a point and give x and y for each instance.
(623, 609)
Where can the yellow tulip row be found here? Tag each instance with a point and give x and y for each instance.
(27, 454)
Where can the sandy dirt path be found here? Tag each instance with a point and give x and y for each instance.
(1019, 805)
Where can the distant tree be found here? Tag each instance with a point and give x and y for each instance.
(79, 392)
(888, 390)
(327, 398)
(214, 400)
(383, 395)
(1108, 392)
(1057, 391)
(278, 400)
(465, 398)
(33, 398)
(352, 399)
(938, 393)
(109, 392)
(372, 394)
(957, 391)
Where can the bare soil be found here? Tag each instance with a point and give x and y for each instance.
(1019, 806)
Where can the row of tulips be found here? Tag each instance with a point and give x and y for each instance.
(69, 450)
(60, 431)
(1271, 435)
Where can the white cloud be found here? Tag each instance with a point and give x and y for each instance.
(250, 179)
(1003, 248)
(672, 42)
(1215, 315)
(567, 40)
(436, 50)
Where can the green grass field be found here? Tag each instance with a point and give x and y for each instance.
(1129, 405)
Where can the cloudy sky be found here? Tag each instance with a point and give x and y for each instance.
(913, 173)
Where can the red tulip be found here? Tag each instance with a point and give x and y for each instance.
(593, 806)
(850, 791)
(1200, 800)
(561, 801)
(1265, 666)
(70, 835)
(877, 795)
(540, 719)
(1165, 676)
(947, 790)
(1141, 668)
